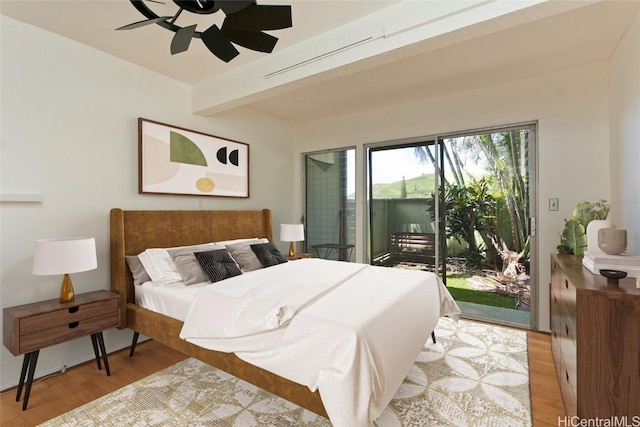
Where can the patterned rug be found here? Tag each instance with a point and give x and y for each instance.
(476, 375)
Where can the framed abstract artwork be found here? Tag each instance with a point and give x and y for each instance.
(173, 160)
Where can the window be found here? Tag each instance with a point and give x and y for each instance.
(330, 204)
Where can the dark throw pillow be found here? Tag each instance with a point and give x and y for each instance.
(268, 254)
(217, 265)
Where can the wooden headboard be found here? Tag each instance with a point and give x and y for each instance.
(134, 231)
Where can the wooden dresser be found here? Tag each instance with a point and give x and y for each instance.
(595, 329)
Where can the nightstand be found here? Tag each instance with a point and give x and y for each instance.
(31, 327)
(299, 256)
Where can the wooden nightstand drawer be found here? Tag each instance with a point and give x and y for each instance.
(67, 316)
(49, 322)
(60, 333)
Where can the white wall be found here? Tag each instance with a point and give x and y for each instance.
(571, 108)
(69, 132)
(625, 135)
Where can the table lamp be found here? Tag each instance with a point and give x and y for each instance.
(64, 256)
(291, 233)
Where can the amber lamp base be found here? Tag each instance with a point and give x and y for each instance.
(66, 289)
(292, 250)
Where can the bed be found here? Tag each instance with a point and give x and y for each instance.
(132, 232)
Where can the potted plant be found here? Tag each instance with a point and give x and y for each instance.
(573, 239)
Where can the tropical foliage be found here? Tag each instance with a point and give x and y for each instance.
(470, 210)
(478, 166)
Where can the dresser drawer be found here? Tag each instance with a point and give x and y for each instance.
(60, 333)
(567, 387)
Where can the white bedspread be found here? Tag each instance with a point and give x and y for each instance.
(352, 331)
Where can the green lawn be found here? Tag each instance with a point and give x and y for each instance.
(457, 286)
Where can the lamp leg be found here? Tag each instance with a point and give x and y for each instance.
(66, 289)
(292, 250)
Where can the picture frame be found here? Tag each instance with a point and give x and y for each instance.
(175, 160)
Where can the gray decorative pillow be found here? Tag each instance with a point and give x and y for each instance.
(187, 265)
(244, 256)
(268, 254)
(217, 265)
(137, 270)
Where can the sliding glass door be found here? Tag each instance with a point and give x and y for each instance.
(460, 205)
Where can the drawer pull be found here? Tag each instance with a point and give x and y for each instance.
(566, 328)
(73, 325)
(74, 309)
(566, 283)
(567, 375)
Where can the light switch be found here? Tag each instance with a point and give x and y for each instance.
(553, 204)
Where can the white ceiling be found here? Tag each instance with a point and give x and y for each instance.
(510, 47)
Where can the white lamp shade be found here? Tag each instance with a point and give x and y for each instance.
(291, 232)
(64, 256)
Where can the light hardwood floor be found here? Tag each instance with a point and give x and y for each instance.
(81, 384)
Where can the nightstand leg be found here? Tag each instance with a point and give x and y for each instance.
(104, 353)
(23, 374)
(30, 360)
(96, 352)
(134, 341)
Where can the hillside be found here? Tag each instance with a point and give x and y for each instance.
(419, 187)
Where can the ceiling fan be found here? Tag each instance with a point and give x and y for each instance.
(243, 25)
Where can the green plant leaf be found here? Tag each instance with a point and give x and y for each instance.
(574, 237)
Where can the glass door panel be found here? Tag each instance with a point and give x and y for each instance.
(330, 204)
(403, 218)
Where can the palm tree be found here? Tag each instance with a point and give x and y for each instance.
(503, 154)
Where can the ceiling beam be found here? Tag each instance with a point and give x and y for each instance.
(398, 31)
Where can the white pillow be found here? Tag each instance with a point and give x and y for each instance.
(235, 241)
(244, 255)
(160, 266)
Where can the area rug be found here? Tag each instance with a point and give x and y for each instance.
(475, 375)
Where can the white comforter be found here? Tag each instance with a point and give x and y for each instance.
(352, 331)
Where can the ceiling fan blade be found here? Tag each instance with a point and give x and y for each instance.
(144, 23)
(260, 17)
(182, 39)
(254, 40)
(232, 6)
(218, 44)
